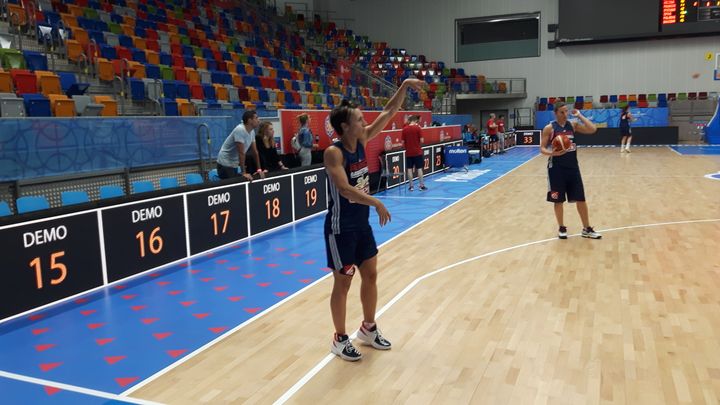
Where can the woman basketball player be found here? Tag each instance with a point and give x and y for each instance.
(625, 131)
(563, 170)
(349, 239)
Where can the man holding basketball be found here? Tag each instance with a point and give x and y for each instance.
(563, 170)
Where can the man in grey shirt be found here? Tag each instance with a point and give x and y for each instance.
(234, 149)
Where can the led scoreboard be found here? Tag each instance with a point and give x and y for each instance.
(143, 235)
(49, 260)
(310, 191)
(217, 217)
(689, 16)
(689, 11)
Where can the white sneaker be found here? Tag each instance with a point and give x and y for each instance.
(627, 150)
(345, 350)
(590, 233)
(373, 338)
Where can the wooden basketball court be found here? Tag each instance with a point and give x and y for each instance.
(632, 318)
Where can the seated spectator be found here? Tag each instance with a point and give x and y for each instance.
(265, 141)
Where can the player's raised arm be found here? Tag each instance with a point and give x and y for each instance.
(585, 126)
(390, 109)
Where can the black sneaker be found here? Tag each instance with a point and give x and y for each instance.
(590, 233)
(423, 188)
(411, 188)
(562, 232)
(345, 349)
(373, 338)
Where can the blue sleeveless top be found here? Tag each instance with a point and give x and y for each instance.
(624, 120)
(344, 215)
(569, 159)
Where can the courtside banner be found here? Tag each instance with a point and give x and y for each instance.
(325, 134)
(391, 140)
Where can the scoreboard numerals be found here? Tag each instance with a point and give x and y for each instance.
(311, 197)
(155, 241)
(396, 172)
(310, 193)
(55, 266)
(527, 139)
(438, 160)
(273, 208)
(225, 215)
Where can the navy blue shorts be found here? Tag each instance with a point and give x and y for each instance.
(416, 162)
(625, 131)
(565, 181)
(348, 249)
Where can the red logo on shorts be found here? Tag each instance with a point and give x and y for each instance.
(348, 270)
(554, 195)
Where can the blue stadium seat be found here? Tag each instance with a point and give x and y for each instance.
(170, 89)
(70, 85)
(5, 209)
(139, 55)
(36, 105)
(193, 178)
(111, 191)
(170, 107)
(168, 182)
(142, 186)
(137, 89)
(183, 90)
(125, 41)
(31, 203)
(213, 175)
(74, 197)
(35, 61)
(152, 71)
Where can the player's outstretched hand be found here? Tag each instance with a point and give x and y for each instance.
(415, 84)
(383, 214)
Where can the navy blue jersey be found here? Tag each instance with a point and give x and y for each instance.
(345, 215)
(569, 159)
(624, 120)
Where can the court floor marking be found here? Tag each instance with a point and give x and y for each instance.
(400, 197)
(673, 149)
(258, 316)
(74, 388)
(329, 357)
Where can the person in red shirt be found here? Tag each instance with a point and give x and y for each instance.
(501, 133)
(412, 136)
(492, 131)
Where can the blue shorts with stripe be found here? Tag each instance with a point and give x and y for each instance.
(348, 249)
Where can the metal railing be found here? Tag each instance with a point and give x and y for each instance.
(14, 21)
(203, 168)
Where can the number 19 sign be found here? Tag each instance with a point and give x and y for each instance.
(310, 193)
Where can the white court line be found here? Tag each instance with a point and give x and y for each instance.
(288, 299)
(672, 149)
(310, 374)
(73, 388)
(399, 197)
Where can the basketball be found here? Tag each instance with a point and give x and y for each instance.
(561, 142)
(695, 75)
